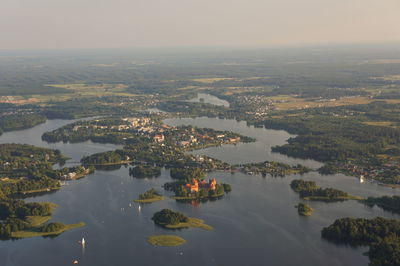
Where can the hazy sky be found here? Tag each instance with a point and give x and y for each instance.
(138, 23)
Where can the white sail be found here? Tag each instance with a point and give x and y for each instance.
(83, 241)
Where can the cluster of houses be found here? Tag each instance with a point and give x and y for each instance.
(196, 185)
(181, 136)
(185, 137)
(139, 123)
(76, 175)
(371, 172)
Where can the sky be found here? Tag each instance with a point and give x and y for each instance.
(71, 24)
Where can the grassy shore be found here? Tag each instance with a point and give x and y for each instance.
(197, 198)
(154, 199)
(34, 231)
(193, 222)
(165, 240)
(35, 221)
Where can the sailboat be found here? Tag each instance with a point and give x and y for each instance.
(83, 241)
(139, 208)
(361, 179)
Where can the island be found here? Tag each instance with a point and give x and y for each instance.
(304, 209)
(380, 234)
(175, 220)
(191, 185)
(308, 190)
(165, 240)
(149, 196)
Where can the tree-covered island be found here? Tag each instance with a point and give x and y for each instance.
(304, 210)
(149, 196)
(380, 234)
(309, 190)
(191, 185)
(176, 220)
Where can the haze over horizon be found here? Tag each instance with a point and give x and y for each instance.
(61, 24)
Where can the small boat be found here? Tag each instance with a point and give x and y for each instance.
(361, 179)
(83, 241)
(75, 262)
(139, 208)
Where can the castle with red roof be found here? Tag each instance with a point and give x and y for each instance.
(195, 185)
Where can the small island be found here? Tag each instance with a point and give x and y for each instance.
(176, 220)
(149, 196)
(308, 190)
(165, 240)
(191, 185)
(304, 209)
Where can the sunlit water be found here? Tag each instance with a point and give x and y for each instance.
(255, 224)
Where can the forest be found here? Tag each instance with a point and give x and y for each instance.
(380, 234)
(388, 203)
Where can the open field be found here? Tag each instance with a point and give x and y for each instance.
(381, 123)
(83, 90)
(291, 103)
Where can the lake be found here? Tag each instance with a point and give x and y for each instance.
(208, 98)
(255, 224)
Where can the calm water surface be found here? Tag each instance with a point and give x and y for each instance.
(208, 98)
(255, 224)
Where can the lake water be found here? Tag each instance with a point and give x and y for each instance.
(208, 98)
(255, 224)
